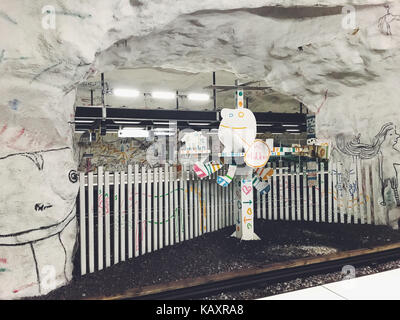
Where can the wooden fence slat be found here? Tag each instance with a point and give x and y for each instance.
(270, 196)
(212, 204)
(116, 217)
(161, 215)
(166, 205)
(191, 206)
(156, 219)
(360, 191)
(225, 207)
(136, 207)
(305, 195)
(181, 204)
(258, 204)
(200, 206)
(298, 206)
(82, 222)
(107, 230)
(379, 215)
(337, 193)
(143, 211)
(316, 193)
(208, 204)
(216, 199)
(280, 190)
(149, 220)
(275, 194)
(91, 222)
(186, 199)
(122, 216)
(171, 206)
(368, 193)
(264, 205)
(311, 200)
(100, 217)
(292, 188)
(349, 195)
(331, 208)
(130, 204)
(286, 186)
(323, 193)
(196, 206)
(176, 205)
(343, 194)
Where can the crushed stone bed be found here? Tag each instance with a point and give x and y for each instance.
(217, 252)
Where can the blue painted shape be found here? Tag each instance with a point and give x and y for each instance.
(13, 104)
(222, 182)
(265, 190)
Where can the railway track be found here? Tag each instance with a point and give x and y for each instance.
(196, 288)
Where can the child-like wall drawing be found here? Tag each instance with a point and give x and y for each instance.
(385, 148)
(37, 234)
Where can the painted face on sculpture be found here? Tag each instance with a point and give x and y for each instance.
(237, 129)
(39, 197)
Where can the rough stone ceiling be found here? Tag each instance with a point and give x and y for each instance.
(305, 57)
(146, 80)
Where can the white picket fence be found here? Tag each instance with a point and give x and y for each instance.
(126, 214)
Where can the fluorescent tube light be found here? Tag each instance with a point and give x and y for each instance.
(83, 121)
(290, 125)
(163, 95)
(293, 130)
(264, 125)
(126, 93)
(198, 96)
(127, 122)
(155, 122)
(133, 133)
(199, 123)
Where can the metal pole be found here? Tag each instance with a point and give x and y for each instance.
(301, 107)
(91, 97)
(102, 89)
(214, 93)
(177, 100)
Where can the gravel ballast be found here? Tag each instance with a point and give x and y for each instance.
(217, 252)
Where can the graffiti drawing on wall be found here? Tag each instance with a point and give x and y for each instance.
(42, 217)
(385, 21)
(386, 149)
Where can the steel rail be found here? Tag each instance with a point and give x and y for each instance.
(256, 277)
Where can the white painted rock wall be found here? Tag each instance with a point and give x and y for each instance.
(40, 68)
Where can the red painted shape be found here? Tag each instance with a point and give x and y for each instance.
(3, 129)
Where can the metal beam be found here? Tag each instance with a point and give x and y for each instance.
(183, 117)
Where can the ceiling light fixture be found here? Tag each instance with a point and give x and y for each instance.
(84, 121)
(198, 124)
(290, 125)
(126, 93)
(264, 125)
(292, 130)
(133, 133)
(155, 122)
(127, 122)
(163, 95)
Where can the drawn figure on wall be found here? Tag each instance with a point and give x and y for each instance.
(385, 147)
(37, 221)
(385, 21)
